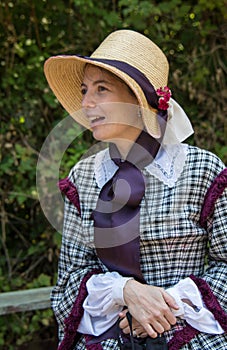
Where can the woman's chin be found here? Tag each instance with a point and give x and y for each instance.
(99, 136)
(102, 132)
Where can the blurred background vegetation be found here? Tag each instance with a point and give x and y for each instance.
(193, 35)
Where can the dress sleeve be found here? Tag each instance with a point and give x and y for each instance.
(211, 284)
(215, 275)
(201, 300)
(77, 259)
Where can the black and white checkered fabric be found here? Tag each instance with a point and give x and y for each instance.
(173, 245)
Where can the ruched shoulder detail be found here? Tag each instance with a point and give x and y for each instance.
(214, 192)
(69, 189)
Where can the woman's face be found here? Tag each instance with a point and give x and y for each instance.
(111, 108)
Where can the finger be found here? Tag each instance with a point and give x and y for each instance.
(126, 330)
(135, 324)
(134, 333)
(157, 325)
(123, 313)
(170, 300)
(171, 318)
(123, 323)
(158, 328)
(150, 331)
(163, 316)
(142, 335)
(161, 320)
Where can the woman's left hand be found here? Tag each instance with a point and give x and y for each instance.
(151, 306)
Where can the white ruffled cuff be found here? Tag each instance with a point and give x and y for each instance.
(192, 308)
(103, 303)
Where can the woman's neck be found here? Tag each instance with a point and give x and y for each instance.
(125, 144)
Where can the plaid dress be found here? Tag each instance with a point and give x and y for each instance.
(172, 243)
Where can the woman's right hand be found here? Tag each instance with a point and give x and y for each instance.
(150, 306)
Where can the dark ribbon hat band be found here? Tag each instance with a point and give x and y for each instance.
(148, 89)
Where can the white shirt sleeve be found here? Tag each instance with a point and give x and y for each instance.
(105, 301)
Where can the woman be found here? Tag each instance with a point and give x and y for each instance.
(133, 240)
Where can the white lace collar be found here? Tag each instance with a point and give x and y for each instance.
(167, 166)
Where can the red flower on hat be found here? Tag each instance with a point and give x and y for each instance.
(164, 97)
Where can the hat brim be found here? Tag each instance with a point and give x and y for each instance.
(65, 75)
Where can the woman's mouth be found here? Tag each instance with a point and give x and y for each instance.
(96, 120)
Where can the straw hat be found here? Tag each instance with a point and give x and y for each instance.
(134, 51)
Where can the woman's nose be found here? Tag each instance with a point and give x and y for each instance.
(88, 100)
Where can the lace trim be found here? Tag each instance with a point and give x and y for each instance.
(215, 191)
(169, 163)
(167, 166)
(70, 190)
(104, 167)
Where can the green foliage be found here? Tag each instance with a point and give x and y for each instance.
(26, 328)
(193, 36)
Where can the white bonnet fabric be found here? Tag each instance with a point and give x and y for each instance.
(179, 127)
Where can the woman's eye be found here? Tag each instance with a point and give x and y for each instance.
(83, 91)
(101, 88)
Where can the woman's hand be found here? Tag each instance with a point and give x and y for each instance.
(150, 306)
(138, 330)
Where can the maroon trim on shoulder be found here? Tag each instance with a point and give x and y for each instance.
(182, 337)
(69, 189)
(73, 320)
(211, 301)
(213, 193)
